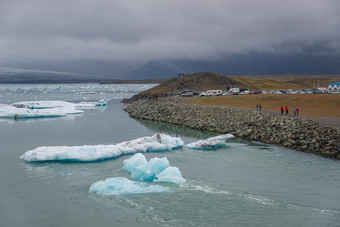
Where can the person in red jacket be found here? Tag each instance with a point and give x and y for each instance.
(281, 110)
(286, 110)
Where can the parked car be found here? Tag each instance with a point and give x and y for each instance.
(186, 94)
(244, 93)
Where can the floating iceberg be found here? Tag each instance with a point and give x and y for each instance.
(90, 153)
(58, 104)
(13, 112)
(212, 143)
(157, 169)
(170, 174)
(42, 104)
(121, 186)
(100, 103)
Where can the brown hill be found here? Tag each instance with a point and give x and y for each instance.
(197, 82)
(214, 81)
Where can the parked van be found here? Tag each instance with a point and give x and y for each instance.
(214, 92)
(234, 90)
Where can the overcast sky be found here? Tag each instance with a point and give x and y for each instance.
(143, 30)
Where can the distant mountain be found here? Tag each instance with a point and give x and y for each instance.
(247, 64)
(90, 68)
(253, 63)
(13, 75)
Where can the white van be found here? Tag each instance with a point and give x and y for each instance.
(234, 90)
(214, 92)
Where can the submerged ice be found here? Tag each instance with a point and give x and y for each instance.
(157, 170)
(212, 143)
(89, 153)
(122, 186)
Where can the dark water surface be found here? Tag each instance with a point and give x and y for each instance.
(245, 184)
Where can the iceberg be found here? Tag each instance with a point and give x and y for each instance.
(10, 111)
(123, 186)
(157, 170)
(41, 104)
(212, 143)
(100, 103)
(170, 174)
(90, 153)
(58, 104)
(14, 112)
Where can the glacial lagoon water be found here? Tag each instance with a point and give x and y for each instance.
(243, 184)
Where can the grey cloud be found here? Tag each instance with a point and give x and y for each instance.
(142, 30)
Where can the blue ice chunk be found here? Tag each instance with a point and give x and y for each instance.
(170, 174)
(145, 171)
(123, 186)
(157, 169)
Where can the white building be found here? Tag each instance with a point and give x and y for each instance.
(333, 86)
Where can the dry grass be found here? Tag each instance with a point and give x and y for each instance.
(327, 106)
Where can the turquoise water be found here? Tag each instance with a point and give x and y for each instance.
(244, 184)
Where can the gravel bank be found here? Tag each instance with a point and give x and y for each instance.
(298, 134)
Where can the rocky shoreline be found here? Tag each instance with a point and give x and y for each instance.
(294, 133)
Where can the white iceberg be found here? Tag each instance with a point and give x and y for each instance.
(13, 112)
(212, 143)
(42, 104)
(122, 186)
(10, 111)
(170, 174)
(58, 104)
(90, 153)
(157, 169)
(100, 103)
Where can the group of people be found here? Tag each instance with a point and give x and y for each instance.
(150, 97)
(258, 107)
(296, 110)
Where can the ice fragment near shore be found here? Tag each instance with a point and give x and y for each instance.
(89, 153)
(121, 186)
(212, 143)
(157, 169)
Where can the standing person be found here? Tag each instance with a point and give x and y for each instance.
(260, 106)
(286, 110)
(297, 111)
(257, 106)
(281, 110)
(294, 111)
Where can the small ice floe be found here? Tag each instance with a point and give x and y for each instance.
(212, 143)
(100, 103)
(121, 186)
(157, 170)
(170, 174)
(90, 153)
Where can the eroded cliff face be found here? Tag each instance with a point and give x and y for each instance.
(298, 134)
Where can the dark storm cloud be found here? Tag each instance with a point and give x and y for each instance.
(142, 30)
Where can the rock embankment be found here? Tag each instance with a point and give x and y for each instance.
(299, 134)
